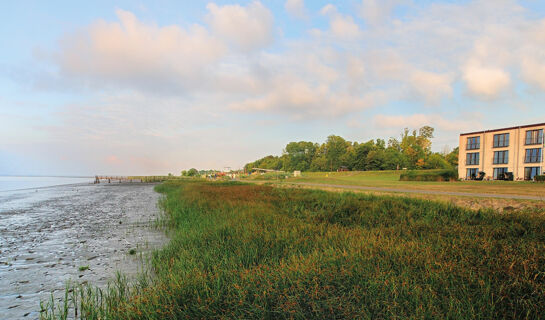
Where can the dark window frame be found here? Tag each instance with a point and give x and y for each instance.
(473, 143)
(469, 172)
(501, 157)
(533, 155)
(501, 140)
(531, 172)
(473, 158)
(534, 137)
(499, 171)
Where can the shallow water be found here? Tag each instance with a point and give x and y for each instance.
(46, 234)
(9, 183)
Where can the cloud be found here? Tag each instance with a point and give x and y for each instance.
(226, 61)
(533, 72)
(431, 86)
(214, 59)
(130, 53)
(470, 122)
(249, 27)
(124, 133)
(486, 82)
(165, 89)
(375, 12)
(112, 160)
(341, 26)
(532, 57)
(292, 95)
(296, 8)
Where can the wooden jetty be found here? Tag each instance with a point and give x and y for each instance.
(115, 179)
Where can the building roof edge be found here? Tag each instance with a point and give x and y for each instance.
(502, 129)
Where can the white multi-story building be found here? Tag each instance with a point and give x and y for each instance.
(517, 149)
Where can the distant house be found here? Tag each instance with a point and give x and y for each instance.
(342, 168)
(514, 152)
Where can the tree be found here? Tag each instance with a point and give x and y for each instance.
(319, 163)
(335, 149)
(415, 147)
(381, 144)
(299, 155)
(425, 134)
(436, 161)
(452, 157)
(361, 151)
(268, 162)
(375, 159)
(192, 172)
(412, 150)
(394, 159)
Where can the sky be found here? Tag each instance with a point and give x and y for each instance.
(141, 88)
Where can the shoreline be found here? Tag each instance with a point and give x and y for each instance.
(82, 232)
(47, 187)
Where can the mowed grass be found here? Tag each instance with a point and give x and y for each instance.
(245, 251)
(390, 179)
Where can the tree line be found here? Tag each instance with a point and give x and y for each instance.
(412, 150)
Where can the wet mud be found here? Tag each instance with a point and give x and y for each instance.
(50, 235)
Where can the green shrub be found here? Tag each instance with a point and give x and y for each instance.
(429, 175)
(540, 178)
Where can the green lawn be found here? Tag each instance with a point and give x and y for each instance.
(390, 179)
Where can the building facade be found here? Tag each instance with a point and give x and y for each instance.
(518, 150)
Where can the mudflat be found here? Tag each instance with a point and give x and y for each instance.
(78, 232)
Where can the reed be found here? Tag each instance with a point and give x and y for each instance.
(253, 251)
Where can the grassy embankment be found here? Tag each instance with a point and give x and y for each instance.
(253, 251)
(153, 179)
(390, 179)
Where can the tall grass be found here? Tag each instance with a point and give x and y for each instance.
(248, 251)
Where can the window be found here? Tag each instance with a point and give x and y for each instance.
(533, 155)
(472, 173)
(501, 140)
(534, 136)
(501, 157)
(472, 158)
(473, 143)
(499, 173)
(531, 172)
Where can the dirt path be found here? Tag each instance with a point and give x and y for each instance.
(430, 192)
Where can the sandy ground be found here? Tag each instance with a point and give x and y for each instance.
(47, 234)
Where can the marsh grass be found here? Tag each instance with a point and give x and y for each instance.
(253, 251)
